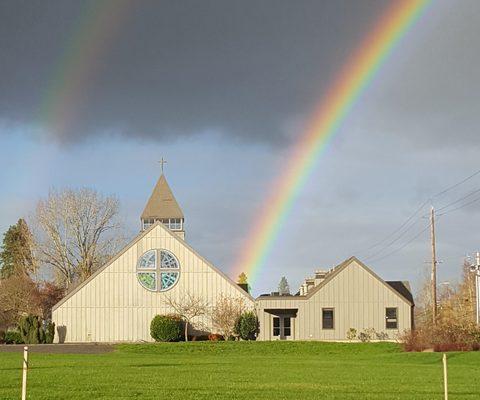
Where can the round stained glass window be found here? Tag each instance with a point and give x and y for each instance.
(158, 270)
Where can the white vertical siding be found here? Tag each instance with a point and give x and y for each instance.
(114, 307)
(359, 300)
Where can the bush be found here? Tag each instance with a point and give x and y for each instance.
(246, 326)
(13, 337)
(31, 329)
(381, 335)
(49, 332)
(351, 334)
(445, 336)
(2, 336)
(215, 337)
(166, 328)
(366, 335)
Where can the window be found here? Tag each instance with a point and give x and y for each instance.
(287, 331)
(327, 318)
(276, 326)
(175, 224)
(158, 276)
(391, 319)
(147, 223)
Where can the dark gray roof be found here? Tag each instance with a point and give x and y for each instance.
(402, 288)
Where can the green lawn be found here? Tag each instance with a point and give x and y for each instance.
(243, 370)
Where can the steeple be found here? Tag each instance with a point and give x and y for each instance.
(162, 206)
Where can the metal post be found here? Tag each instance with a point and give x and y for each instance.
(25, 369)
(445, 378)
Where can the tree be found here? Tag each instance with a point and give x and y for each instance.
(18, 296)
(226, 313)
(17, 255)
(188, 306)
(242, 279)
(47, 295)
(79, 232)
(283, 287)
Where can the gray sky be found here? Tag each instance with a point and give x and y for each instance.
(222, 90)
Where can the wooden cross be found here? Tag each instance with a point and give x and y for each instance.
(162, 161)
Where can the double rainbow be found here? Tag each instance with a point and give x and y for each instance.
(78, 66)
(329, 115)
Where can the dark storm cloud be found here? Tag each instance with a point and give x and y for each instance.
(249, 69)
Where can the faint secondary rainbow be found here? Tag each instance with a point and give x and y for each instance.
(74, 73)
(327, 118)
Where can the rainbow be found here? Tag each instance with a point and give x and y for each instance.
(327, 118)
(76, 69)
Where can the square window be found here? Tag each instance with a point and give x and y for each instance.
(328, 318)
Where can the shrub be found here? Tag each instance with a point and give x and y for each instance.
(445, 336)
(214, 337)
(366, 335)
(351, 334)
(49, 332)
(31, 329)
(2, 336)
(166, 328)
(381, 335)
(246, 326)
(13, 337)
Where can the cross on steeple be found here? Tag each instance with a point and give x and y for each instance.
(162, 161)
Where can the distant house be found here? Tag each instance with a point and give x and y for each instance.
(118, 302)
(349, 296)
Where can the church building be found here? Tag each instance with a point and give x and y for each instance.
(118, 302)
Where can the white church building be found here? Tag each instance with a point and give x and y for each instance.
(118, 302)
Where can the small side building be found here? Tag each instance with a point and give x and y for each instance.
(350, 295)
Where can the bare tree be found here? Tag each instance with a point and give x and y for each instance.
(226, 313)
(78, 232)
(188, 306)
(18, 296)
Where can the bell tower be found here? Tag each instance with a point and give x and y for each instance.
(162, 206)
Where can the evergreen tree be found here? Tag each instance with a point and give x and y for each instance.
(283, 287)
(16, 256)
(242, 278)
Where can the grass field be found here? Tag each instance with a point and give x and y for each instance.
(243, 370)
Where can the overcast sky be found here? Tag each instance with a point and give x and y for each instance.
(221, 89)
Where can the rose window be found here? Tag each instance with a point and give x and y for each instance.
(158, 270)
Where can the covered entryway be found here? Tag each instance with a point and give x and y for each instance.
(283, 323)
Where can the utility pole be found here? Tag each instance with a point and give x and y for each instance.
(434, 267)
(476, 270)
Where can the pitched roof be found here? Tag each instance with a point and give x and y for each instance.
(162, 202)
(404, 293)
(403, 288)
(131, 244)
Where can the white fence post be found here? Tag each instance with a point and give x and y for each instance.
(25, 369)
(445, 379)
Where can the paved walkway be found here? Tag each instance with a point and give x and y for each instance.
(81, 348)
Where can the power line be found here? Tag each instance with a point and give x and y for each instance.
(392, 242)
(462, 206)
(396, 230)
(458, 201)
(412, 216)
(403, 246)
(456, 184)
